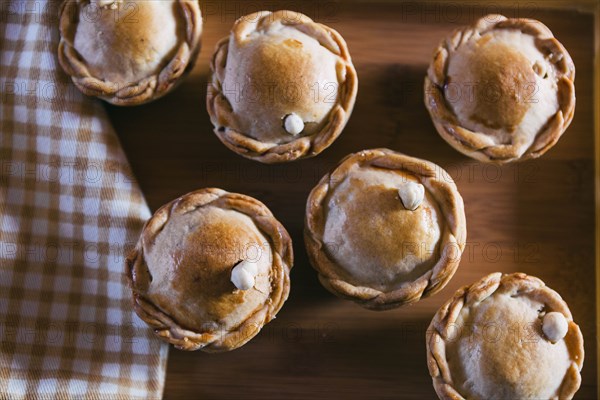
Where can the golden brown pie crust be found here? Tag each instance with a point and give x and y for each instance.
(502, 86)
(121, 27)
(298, 65)
(441, 195)
(199, 287)
(513, 367)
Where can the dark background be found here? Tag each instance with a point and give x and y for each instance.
(536, 217)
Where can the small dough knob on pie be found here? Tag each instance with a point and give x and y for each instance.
(293, 124)
(555, 326)
(412, 195)
(243, 275)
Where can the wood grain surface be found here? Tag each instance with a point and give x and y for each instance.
(536, 217)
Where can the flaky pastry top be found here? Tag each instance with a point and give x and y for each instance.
(499, 339)
(276, 66)
(385, 229)
(181, 270)
(501, 90)
(128, 52)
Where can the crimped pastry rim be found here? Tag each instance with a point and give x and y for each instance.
(465, 140)
(447, 314)
(187, 339)
(453, 236)
(145, 90)
(302, 147)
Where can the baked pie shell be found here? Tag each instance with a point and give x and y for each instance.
(131, 93)
(211, 341)
(220, 109)
(518, 284)
(452, 241)
(467, 141)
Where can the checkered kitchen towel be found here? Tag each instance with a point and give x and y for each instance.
(68, 210)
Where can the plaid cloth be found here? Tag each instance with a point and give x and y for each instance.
(69, 210)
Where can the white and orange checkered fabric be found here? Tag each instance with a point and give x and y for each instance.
(69, 210)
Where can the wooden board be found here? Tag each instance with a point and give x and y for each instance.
(536, 217)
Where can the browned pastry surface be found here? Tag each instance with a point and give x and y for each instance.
(368, 246)
(501, 90)
(491, 341)
(274, 65)
(181, 270)
(128, 53)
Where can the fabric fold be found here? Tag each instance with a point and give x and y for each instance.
(70, 210)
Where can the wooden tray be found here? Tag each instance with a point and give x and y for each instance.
(536, 217)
